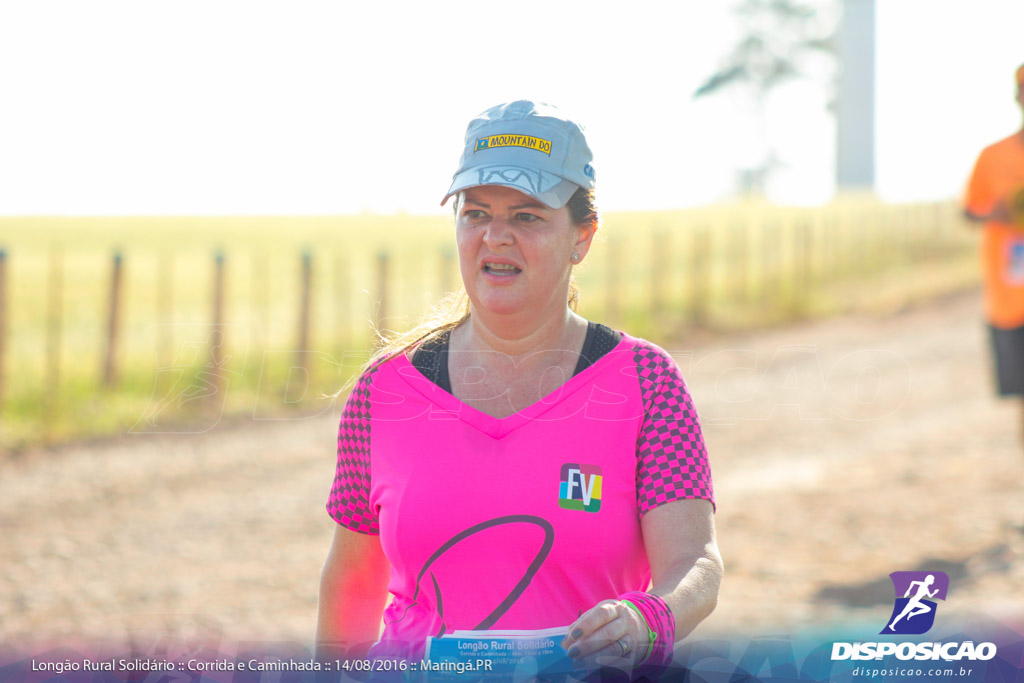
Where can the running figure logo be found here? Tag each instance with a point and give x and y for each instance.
(914, 613)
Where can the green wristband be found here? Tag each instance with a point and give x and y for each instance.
(652, 636)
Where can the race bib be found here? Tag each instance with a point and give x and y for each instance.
(1015, 261)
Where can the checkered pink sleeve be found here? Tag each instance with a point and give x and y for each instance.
(672, 462)
(349, 503)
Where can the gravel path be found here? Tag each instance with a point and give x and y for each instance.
(843, 450)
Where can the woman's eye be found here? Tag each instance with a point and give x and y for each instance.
(526, 218)
(473, 213)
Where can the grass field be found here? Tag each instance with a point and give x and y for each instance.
(661, 275)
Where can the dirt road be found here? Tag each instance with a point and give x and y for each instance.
(842, 450)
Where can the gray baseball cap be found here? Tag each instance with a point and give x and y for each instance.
(530, 146)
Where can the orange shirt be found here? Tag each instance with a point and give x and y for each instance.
(999, 174)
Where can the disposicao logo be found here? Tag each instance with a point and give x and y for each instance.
(914, 612)
(580, 487)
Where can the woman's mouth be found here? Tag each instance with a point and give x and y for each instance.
(501, 269)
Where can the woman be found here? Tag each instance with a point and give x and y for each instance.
(520, 467)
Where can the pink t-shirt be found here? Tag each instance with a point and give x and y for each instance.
(522, 522)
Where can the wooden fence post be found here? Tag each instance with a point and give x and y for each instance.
(824, 242)
(803, 262)
(768, 236)
(381, 308)
(302, 355)
(54, 316)
(113, 324)
(3, 325)
(739, 267)
(789, 264)
(165, 309)
(943, 224)
(834, 247)
(217, 337)
(847, 241)
(699, 273)
(818, 241)
(613, 311)
(267, 298)
(342, 318)
(775, 234)
(906, 235)
(447, 267)
(659, 268)
(755, 258)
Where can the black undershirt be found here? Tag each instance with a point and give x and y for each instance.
(431, 358)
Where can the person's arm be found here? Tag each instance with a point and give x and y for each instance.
(1000, 212)
(353, 590)
(981, 202)
(686, 572)
(686, 567)
(353, 584)
(676, 519)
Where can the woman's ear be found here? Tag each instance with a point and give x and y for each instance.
(585, 238)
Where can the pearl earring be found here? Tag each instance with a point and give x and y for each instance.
(575, 257)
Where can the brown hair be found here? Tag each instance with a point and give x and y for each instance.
(453, 309)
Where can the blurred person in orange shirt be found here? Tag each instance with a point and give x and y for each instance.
(995, 198)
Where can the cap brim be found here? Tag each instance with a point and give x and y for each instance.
(544, 187)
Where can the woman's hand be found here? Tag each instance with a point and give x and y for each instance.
(1003, 211)
(686, 569)
(609, 634)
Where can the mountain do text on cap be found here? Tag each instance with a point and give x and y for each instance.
(529, 146)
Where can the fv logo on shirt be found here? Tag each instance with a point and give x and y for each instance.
(580, 487)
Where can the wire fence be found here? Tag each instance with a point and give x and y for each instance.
(96, 340)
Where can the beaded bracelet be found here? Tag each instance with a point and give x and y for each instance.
(661, 626)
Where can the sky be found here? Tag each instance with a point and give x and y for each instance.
(312, 107)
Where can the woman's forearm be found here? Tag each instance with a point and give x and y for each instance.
(353, 592)
(690, 587)
(348, 621)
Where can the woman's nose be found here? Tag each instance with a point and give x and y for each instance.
(498, 232)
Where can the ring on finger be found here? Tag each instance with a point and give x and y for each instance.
(624, 644)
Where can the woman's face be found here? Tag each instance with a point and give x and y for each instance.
(514, 251)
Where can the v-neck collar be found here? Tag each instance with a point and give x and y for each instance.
(496, 427)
